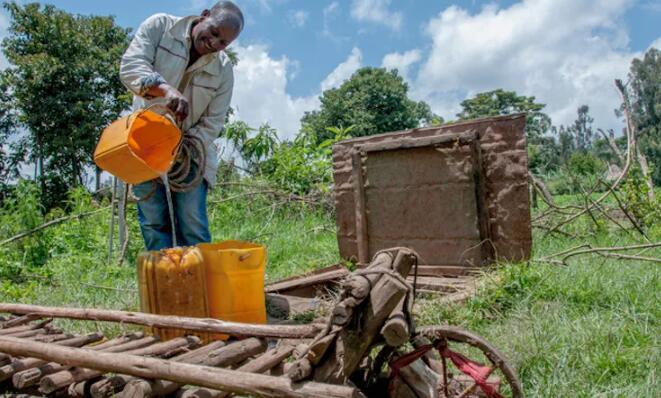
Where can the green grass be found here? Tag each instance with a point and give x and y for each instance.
(590, 329)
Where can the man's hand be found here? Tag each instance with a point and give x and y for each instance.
(176, 102)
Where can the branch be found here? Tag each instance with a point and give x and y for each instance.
(50, 224)
(613, 145)
(603, 251)
(631, 145)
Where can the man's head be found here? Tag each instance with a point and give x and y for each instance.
(217, 28)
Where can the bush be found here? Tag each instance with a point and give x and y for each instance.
(585, 164)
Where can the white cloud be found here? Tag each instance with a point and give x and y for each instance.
(298, 17)
(376, 11)
(565, 52)
(343, 71)
(260, 89)
(402, 61)
(260, 92)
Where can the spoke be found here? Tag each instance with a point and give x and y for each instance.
(471, 388)
(445, 377)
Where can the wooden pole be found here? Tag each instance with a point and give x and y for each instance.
(261, 364)
(108, 387)
(229, 380)
(166, 321)
(225, 356)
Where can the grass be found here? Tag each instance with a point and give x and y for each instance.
(590, 329)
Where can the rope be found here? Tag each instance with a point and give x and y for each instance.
(191, 152)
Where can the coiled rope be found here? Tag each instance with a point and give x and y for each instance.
(191, 155)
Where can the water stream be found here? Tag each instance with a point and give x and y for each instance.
(168, 196)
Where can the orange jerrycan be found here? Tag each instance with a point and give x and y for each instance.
(173, 282)
(235, 281)
(138, 147)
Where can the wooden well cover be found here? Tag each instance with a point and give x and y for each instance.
(456, 194)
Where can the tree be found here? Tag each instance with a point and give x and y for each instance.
(7, 126)
(566, 142)
(582, 129)
(64, 80)
(645, 96)
(373, 101)
(500, 102)
(543, 152)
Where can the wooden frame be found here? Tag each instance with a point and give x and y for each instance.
(469, 137)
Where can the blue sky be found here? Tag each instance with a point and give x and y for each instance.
(564, 52)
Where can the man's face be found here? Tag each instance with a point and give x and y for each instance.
(209, 35)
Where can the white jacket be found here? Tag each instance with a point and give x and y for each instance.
(160, 48)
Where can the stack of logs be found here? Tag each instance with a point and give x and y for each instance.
(318, 360)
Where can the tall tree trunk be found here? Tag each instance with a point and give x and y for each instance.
(644, 168)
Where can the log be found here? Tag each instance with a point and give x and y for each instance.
(18, 365)
(166, 321)
(51, 338)
(21, 320)
(303, 286)
(109, 386)
(353, 344)
(431, 357)
(421, 379)
(23, 328)
(29, 333)
(32, 376)
(225, 356)
(229, 380)
(288, 306)
(261, 364)
(396, 330)
(64, 378)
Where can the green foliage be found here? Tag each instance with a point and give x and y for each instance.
(65, 85)
(304, 165)
(373, 100)
(22, 211)
(500, 102)
(585, 164)
(646, 211)
(299, 166)
(645, 97)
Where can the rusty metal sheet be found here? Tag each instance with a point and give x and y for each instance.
(457, 194)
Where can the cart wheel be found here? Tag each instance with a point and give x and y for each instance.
(476, 349)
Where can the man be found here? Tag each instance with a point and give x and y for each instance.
(178, 62)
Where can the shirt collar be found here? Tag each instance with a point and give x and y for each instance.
(181, 30)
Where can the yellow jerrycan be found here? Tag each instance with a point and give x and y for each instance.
(173, 282)
(235, 281)
(138, 147)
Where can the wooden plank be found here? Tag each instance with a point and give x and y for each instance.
(440, 284)
(446, 270)
(486, 247)
(411, 142)
(216, 378)
(362, 239)
(319, 271)
(286, 286)
(166, 321)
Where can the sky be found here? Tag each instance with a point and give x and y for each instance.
(566, 53)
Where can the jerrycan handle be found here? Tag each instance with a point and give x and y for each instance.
(167, 110)
(169, 113)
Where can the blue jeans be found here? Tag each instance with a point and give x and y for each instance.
(190, 216)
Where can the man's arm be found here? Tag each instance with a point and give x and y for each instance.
(137, 67)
